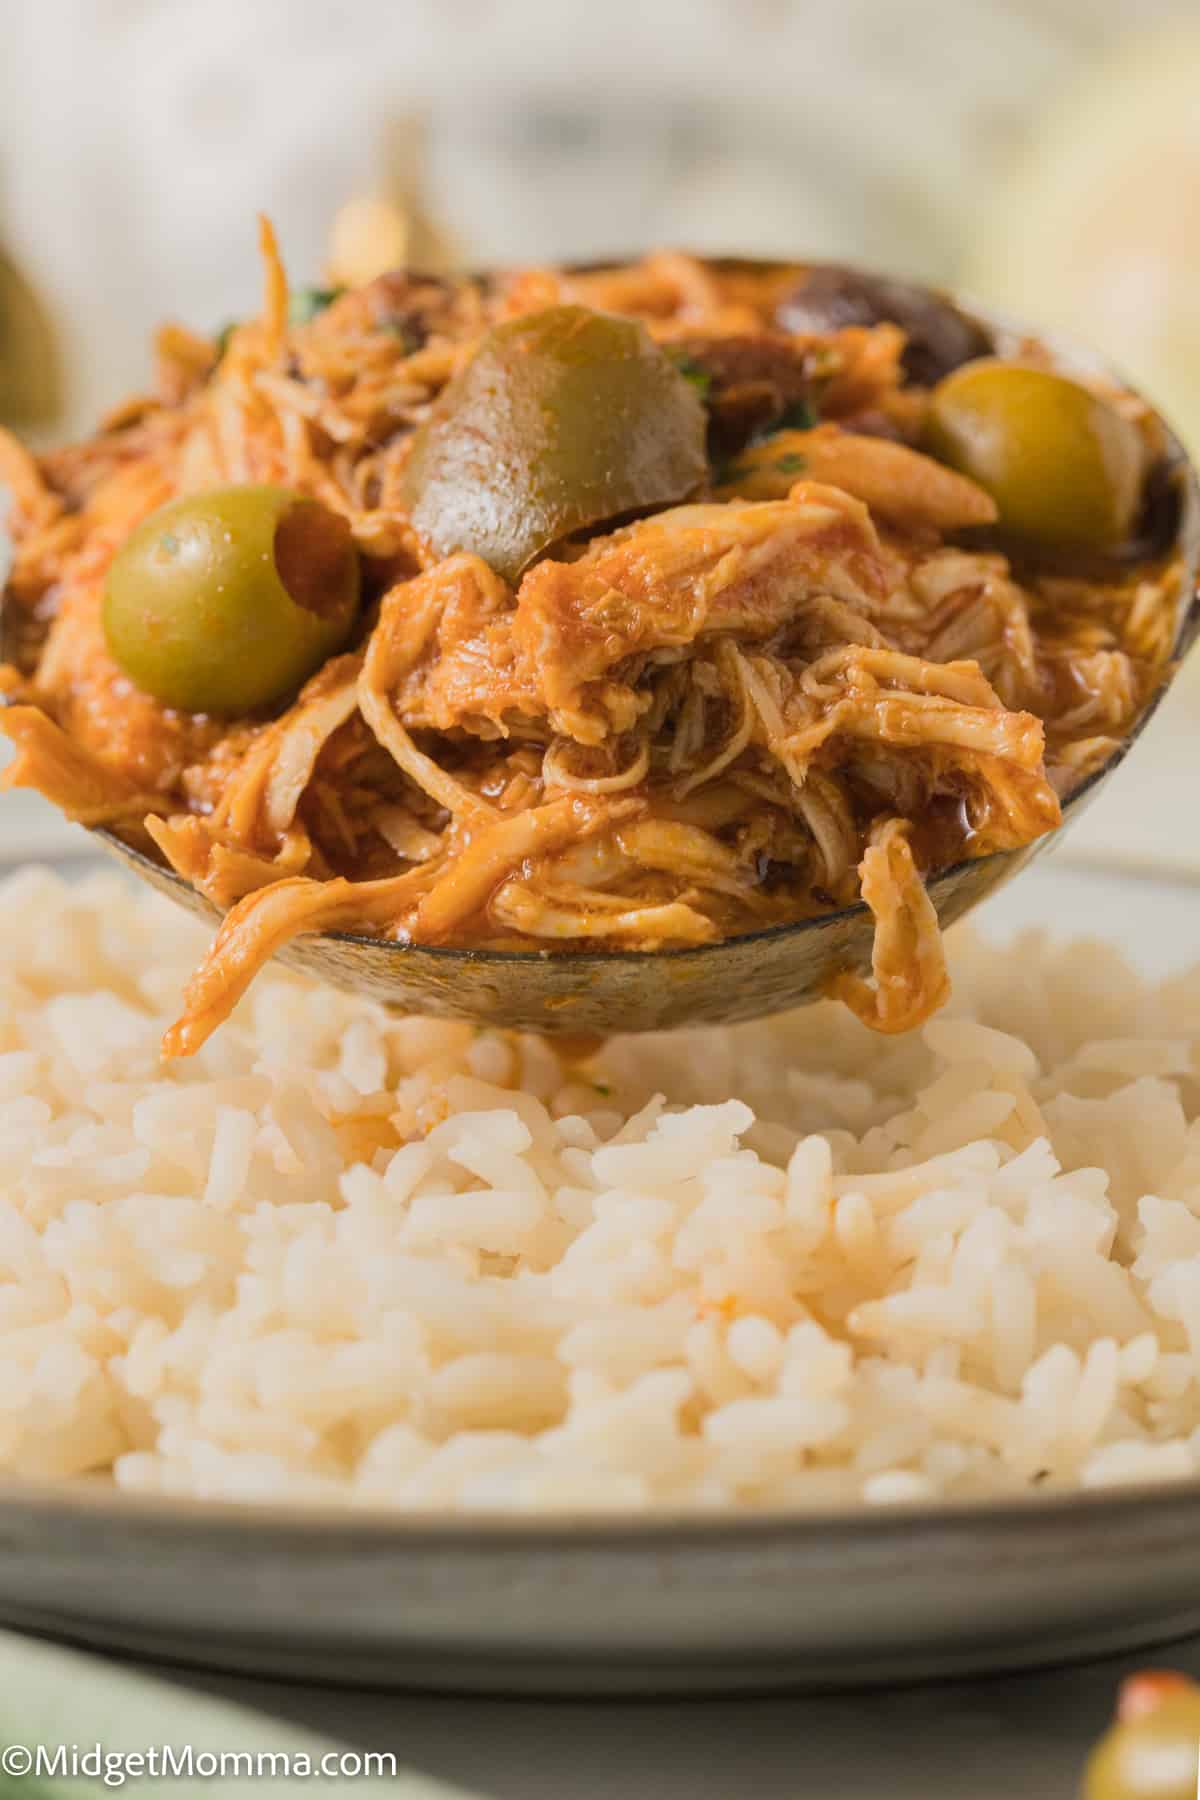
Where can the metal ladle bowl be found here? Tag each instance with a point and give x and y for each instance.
(561, 994)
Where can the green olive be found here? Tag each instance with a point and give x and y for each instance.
(1063, 466)
(227, 601)
(562, 419)
(1153, 1757)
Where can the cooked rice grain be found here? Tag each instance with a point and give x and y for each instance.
(341, 1256)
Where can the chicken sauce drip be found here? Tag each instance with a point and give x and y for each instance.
(818, 678)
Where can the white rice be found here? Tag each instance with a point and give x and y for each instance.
(341, 1256)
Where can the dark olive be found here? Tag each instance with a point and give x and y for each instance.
(749, 385)
(1063, 466)
(414, 308)
(227, 601)
(940, 336)
(1150, 1757)
(562, 419)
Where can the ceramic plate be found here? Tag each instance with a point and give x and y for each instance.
(646, 1605)
(584, 1607)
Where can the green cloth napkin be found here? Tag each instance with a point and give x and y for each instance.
(53, 1697)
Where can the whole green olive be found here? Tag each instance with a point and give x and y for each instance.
(562, 419)
(227, 601)
(1063, 466)
(1153, 1756)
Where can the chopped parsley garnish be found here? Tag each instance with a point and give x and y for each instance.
(801, 415)
(221, 338)
(602, 1088)
(791, 464)
(692, 371)
(305, 303)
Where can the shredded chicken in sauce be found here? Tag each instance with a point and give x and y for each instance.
(819, 677)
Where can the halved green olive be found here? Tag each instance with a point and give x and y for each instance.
(1151, 1757)
(1063, 466)
(227, 601)
(562, 419)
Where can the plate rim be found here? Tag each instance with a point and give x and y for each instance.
(98, 1500)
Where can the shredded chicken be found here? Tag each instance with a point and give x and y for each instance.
(669, 581)
(263, 923)
(908, 964)
(259, 804)
(67, 773)
(897, 483)
(799, 689)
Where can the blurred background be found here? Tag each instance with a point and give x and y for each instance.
(1043, 153)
